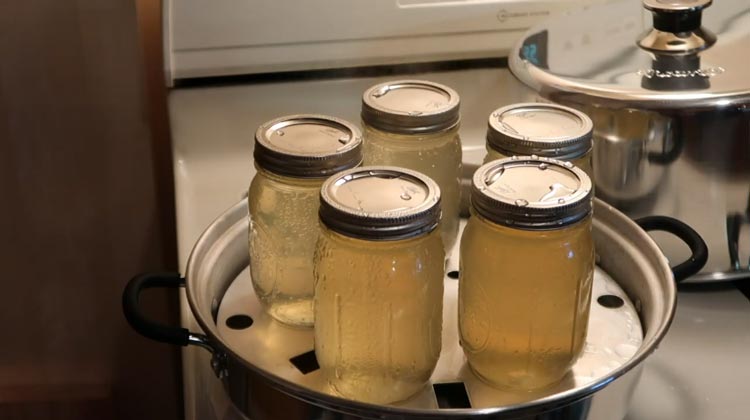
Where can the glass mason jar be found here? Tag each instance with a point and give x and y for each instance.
(541, 129)
(526, 271)
(414, 124)
(293, 156)
(379, 283)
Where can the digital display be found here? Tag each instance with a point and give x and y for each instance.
(534, 49)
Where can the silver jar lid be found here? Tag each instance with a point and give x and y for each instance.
(307, 145)
(410, 107)
(540, 129)
(380, 203)
(534, 193)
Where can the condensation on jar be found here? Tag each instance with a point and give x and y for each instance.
(379, 283)
(526, 271)
(414, 124)
(541, 129)
(293, 157)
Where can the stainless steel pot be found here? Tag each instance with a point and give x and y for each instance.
(262, 383)
(666, 85)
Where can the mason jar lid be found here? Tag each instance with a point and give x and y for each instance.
(679, 57)
(534, 193)
(307, 145)
(540, 129)
(380, 203)
(410, 107)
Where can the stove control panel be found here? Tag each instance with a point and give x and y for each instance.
(205, 39)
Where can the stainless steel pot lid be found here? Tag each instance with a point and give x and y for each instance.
(656, 54)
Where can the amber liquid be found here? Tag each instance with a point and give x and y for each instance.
(378, 314)
(436, 155)
(524, 301)
(282, 236)
(583, 162)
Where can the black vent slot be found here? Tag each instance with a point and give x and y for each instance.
(610, 301)
(239, 322)
(306, 362)
(452, 395)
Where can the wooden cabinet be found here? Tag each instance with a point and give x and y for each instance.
(86, 187)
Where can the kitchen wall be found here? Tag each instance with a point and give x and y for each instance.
(85, 181)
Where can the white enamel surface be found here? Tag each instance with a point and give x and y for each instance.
(614, 336)
(239, 37)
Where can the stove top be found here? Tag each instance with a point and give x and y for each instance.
(701, 369)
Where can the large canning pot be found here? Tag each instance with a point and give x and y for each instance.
(666, 85)
(268, 370)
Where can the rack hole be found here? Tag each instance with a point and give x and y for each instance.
(239, 322)
(610, 301)
(453, 274)
(451, 395)
(306, 362)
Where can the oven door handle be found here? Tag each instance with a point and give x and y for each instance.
(698, 247)
(153, 330)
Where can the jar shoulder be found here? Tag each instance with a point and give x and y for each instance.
(449, 138)
(480, 226)
(405, 248)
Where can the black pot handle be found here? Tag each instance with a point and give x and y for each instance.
(148, 328)
(698, 247)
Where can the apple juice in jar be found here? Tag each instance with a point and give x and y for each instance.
(293, 156)
(541, 129)
(526, 271)
(414, 124)
(379, 283)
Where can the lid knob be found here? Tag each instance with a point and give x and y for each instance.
(676, 5)
(676, 15)
(677, 27)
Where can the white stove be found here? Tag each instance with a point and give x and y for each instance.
(700, 371)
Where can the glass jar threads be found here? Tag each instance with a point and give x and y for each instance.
(414, 124)
(379, 283)
(541, 129)
(526, 271)
(293, 156)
